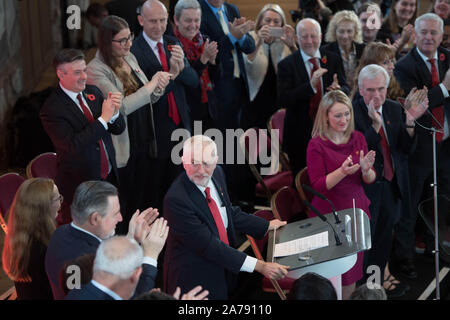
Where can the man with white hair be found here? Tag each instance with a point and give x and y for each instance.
(390, 132)
(202, 228)
(117, 268)
(427, 64)
(303, 78)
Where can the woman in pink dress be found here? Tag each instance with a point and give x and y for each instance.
(338, 164)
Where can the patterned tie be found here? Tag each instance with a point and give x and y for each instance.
(437, 112)
(103, 158)
(225, 29)
(387, 159)
(216, 215)
(315, 100)
(173, 109)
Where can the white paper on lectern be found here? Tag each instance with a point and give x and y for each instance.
(296, 246)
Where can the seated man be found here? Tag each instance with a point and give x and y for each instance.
(95, 213)
(117, 267)
(203, 223)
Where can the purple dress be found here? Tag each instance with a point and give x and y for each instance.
(322, 158)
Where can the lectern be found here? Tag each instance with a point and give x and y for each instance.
(330, 261)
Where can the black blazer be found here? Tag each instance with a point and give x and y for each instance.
(76, 140)
(149, 63)
(294, 94)
(411, 71)
(194, 253)
(211, 27)
(88, 292)
(67, 244)
(401, 145)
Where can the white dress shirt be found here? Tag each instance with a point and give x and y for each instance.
(154, 45)
(106, 290)
(309, 66)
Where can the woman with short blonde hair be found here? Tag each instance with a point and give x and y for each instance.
(344, 38)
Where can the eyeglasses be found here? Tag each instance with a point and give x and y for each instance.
(60, 198)
(123, 42)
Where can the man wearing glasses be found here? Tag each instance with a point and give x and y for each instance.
(202, 228)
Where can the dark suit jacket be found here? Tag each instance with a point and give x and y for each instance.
(68, 243)
(294, 94)
(76, 140)
(211, 27)
(411, 71)
(88, 292)
(401, 144)
(194, 253)
(149, 63)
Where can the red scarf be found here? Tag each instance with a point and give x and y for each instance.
(193, 50)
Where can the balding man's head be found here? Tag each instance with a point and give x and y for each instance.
(153, 19)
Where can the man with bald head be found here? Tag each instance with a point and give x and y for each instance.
(202, 228)
(155, 52)
(303, 78)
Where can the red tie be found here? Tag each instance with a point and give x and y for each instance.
(437, 112)
(103, 158)
(216, 215)
(388, 168)
(173, 109)
(315, 100)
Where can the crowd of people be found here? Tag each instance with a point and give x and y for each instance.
(362, 84)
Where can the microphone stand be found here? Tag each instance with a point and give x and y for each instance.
(435, 200)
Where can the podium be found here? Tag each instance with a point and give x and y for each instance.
(330, 261)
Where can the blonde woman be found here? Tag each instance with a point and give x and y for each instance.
(344, 38)
(274, 40)
(338, 164)
(31, 223)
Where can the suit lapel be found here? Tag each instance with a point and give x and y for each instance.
(212, 19)
(152, 60)
(71, 106)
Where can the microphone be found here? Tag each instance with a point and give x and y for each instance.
(322, 217)
(321, 196)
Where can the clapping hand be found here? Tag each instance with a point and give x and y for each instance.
(111, 105)
(264, 34)
(416, 103)
(289, 37)
(348, 167)
(176, 60)
(210, 51)
(195, 294)
(240, 27)
(156, 238)
(139, 225)
(316, 76)
(366, 162)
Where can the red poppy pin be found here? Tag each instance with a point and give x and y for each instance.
(137, 71)
(324, 60)
(442, 57)
(91, 97)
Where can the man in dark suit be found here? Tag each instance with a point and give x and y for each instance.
(427, 64)
(80, 123)
(303, 77)
(95, 213)
(116, 271)
(171, 112)
(202, 235)
(222, 23)
(392, 136)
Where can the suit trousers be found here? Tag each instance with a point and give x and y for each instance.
(385, 212)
